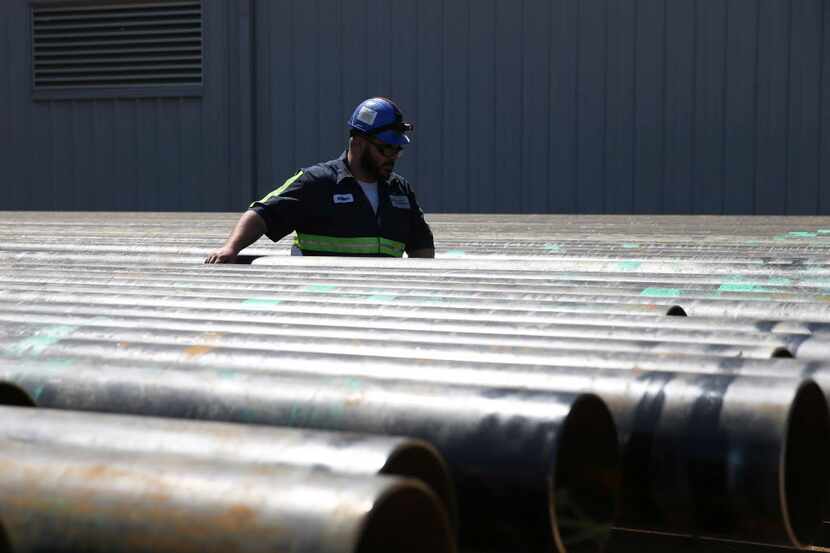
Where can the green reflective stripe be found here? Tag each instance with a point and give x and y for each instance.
(361, 245)
(390, 247)
(279, 190)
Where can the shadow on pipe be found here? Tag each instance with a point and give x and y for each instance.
(676, 311)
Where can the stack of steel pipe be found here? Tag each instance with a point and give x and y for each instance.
(551, 360)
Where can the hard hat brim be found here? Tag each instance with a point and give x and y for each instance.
(394, 138)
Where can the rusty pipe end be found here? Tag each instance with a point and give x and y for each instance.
(13, 395)
(408, 518)
(587, 478)
(420, 460)
(804, 458)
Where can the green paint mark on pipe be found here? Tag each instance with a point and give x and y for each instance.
(779, 281)
(628, 265)
(261, 302)
(227, 374)
(37, 392)
(454, 253)
(742, 287)
(381, 297)
(630, 246)
(427, 299)
(661, 293)
(823, 231)
(802, 234)
(45, 337)
(320, 288)
(553, 248)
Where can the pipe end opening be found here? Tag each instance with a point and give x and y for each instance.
(676, 311)
(15, 396)
(806, 458)
(782, 352)
(408, 519)
(423, 462)
(587, 479)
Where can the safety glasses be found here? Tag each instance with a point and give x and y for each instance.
(386, 150)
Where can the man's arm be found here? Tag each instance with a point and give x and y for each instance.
(247, 231)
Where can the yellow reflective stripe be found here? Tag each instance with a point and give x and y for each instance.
(360, 245)
(279, 190)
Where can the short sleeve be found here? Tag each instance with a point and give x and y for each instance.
(283, 208)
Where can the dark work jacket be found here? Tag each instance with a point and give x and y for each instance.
(327, 208)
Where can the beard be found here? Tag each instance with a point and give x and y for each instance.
(372, 168)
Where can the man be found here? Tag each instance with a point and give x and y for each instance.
(354, 205)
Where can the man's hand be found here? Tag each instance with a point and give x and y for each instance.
(247, 231)
(222, 255)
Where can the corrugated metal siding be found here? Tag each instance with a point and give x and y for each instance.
(565, 106)
(607, 106)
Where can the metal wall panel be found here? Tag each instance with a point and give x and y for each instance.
(128, 154)
(611, 106)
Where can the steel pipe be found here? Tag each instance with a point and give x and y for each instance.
(524, 462)
(817, 311)
(410, 330)
(348, 358)
(363, 306)
(672, 427)
(335, 451)
(571, 351)
(265, 312)
(426, 280)
(556, 304)
(411, 286)
(62, 499)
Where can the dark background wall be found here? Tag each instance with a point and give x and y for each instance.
(595, 106)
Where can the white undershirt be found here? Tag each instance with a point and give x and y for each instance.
(371, 191)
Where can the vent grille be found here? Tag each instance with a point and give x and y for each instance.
(110, 45)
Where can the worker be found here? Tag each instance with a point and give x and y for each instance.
(354, 205)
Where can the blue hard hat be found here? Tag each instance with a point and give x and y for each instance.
(380, 117)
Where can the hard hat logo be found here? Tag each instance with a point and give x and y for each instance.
(367, 116)
(380, 118)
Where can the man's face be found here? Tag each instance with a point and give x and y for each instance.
(378, 159)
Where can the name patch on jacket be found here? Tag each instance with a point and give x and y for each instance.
(401, 202)
(343, 198)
